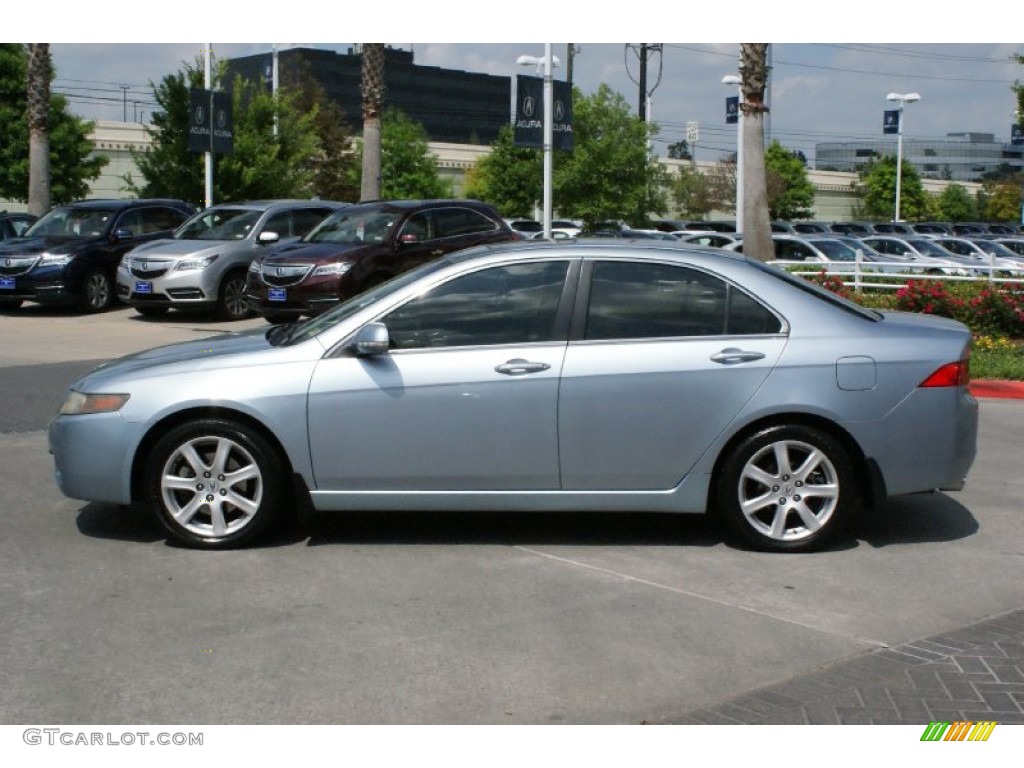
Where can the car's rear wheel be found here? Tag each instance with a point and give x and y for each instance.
(152, 311)
(214, 483)
(787, 489)
(231, 303)
(97, 291)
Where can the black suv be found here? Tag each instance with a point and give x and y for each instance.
(363, 245)
(70, 255)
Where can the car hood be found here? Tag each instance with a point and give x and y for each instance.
(27, 246)
(223, 351)
(175, 248)
(317, 251)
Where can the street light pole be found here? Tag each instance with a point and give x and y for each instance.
(735, 80)
(902, 98)
(545, 66)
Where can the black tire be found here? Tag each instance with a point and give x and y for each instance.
(801, 471)
(97, 291)
(155, 310)
(231, 302)
(188, 483)
(9, 305)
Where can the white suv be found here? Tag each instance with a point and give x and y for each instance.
(204, 264)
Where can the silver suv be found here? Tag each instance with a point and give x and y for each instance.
(203, 265)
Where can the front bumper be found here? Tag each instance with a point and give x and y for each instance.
(92, 457)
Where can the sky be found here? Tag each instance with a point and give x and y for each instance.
(823, 87)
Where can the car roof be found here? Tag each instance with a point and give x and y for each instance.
(263, 205)
(107, 203)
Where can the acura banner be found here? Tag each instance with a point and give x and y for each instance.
(529, 117)
(210, 123)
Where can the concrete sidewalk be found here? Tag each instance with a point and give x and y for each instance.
(973, 673)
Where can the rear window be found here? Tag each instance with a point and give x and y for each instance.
(816, 290)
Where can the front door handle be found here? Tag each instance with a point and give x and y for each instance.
(520, 367)
(732, 355)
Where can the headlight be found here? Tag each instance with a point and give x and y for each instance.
(78, 403)
(187, 264)
(340, 268)
(255, 264)
(54, 259)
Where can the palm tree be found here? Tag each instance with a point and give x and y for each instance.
(373, 100)
(757, 234)
(39, 73)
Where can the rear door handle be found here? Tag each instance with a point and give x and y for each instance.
(520, 367)
(732, 355)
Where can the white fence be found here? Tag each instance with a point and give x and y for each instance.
(879, 275)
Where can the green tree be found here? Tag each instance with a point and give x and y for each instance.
(956, 204)
(72, 164)
(610, 174)
(408, 169)
(1003, 201)
(263, 165)
(680, 150)
(693, 193)
(509, 178)
(333, 165)
(878, 190)
(790, 192)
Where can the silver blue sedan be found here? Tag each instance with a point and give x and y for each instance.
(537, 376)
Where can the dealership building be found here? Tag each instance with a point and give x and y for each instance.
(960, 157)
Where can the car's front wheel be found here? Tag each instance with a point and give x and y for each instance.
(232, 304)
(97, 291)
(214, 483)
(787, 489)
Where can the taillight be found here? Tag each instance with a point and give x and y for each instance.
(950, 375)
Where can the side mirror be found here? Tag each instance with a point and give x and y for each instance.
(267, 238)
(372, 340)
(122, 234)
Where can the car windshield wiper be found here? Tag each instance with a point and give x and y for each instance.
(280, 334)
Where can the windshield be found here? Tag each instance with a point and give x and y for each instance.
(929, 248)
(998, 249)
(307, 329)
(219, 224)
(373, 226)
(813, 288)
(69, 221)
(836, 250)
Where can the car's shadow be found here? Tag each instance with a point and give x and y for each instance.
(925, 518)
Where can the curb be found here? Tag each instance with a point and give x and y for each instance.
(1007, 390)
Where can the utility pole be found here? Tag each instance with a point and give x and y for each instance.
(642, 107)
(570, 53)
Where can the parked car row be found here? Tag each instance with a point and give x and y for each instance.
(856, 228)
(957, 256)
(281, 258)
